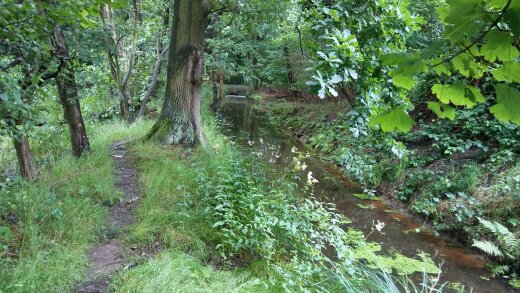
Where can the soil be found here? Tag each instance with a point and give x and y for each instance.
(107, 257)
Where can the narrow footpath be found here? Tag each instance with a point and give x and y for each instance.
(107, 257)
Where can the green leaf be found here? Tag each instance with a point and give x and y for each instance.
(408, 65)
(498, 45)
(507, 108)
(488, 247)
(394, 119)
(466, 65)
(512, 17)
(442, 68)
(509, 72)
(462, 19)
(395, 58)
(458, 94)
(474, 94)
(403, 75)
(442, 110)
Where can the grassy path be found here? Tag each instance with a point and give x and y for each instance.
(107, 258)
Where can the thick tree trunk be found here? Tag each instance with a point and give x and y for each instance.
(25, 159)
(179, 122)
(68, 93)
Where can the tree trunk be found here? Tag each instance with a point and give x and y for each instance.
(288, 64)
(214, 87)
(218, 91)
(153, 82)
(25, 159)
(68, 93)
(123, 54)
(179, 122)
(157, 65)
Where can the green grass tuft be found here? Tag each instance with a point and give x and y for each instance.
(177, 272)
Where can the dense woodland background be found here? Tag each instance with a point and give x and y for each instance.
(418, 102)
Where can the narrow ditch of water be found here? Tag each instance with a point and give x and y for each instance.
(253, 130)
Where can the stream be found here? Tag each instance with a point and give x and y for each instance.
(252, 129)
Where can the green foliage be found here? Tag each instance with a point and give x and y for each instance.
(458, 95)
(508, 243)
(178, 272)
(46, 227)
(515, 283)
(507, 108)
(442, 110)
(505, 245)
(471, 47)
(394, 119)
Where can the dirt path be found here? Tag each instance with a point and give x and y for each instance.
(107, 257)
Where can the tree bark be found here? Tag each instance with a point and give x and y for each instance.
(290, 73)
(214, 87)
(68, 94)
(179, 122)
(157, 65)
(218, 91)
(153, 82)
(123, 54)
(25, 158)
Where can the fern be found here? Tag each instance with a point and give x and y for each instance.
(499, 270)
(507, 244)
(488, 247)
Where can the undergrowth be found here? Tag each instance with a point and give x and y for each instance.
(218, 206)
(47, 226)
(451, 173)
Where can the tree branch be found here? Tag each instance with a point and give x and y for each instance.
(480, 38)
(23, 20)
(11, 64)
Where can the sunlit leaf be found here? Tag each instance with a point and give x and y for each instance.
(507, 108)
(442, 110)
(394, 119)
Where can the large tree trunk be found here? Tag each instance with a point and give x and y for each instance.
(68, 93)
(179, 122)
(25, 159)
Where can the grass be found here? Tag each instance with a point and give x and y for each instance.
(47, 226)
(57, 218)
(173, 271)
(170, 214)
(174, 215)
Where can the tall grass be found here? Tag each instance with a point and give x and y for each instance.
(47, 226)
(172, 271)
